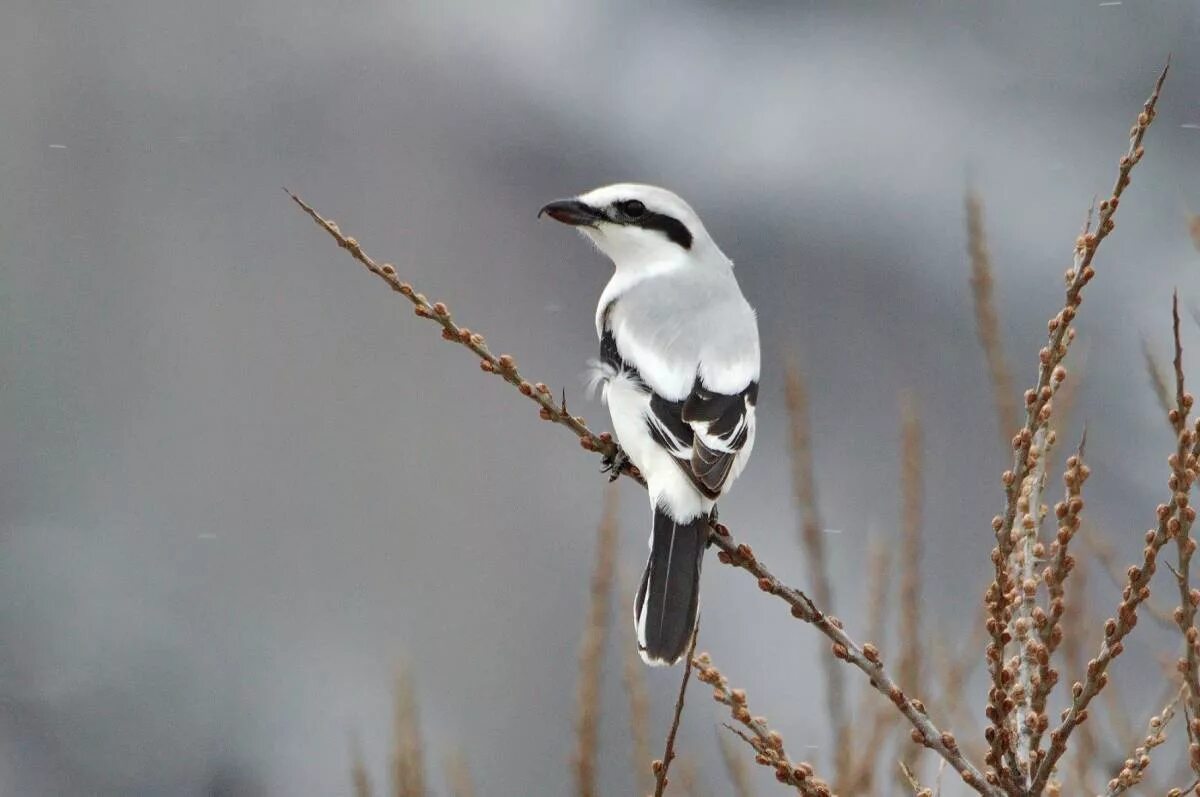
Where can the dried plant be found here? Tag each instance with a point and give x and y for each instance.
(591, 651)
(358, 771)
(766, 743)
(1036, 621)
(987, 320)
(812, 539)
(408, 762)
(458, 775)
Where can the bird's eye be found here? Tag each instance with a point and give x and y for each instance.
(633, 208)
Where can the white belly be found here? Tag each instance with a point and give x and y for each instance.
(629, 406)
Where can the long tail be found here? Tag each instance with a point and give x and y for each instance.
(668, 598)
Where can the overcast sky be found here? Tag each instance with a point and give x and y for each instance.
(240, 483)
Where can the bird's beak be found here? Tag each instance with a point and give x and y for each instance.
(573, 212)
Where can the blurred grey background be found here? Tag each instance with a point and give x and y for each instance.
(240, 483)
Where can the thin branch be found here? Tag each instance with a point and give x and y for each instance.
(1183, 474)
(1102, 548)
(1047, 622)
(503, 365)
(1189, 789)
(767, 744)
(591, 651)
(1134, 769)
(661, 766)
(987, 320)
(910, 778)
(1085, 751)
(812, 538)
(866, 658)
(1038, 407)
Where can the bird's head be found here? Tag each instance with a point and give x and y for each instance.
(637, 224)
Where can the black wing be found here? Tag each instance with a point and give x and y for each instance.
(705, 432)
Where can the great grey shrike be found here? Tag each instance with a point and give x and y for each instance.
(679, 361)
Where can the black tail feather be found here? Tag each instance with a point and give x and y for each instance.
(668, 598)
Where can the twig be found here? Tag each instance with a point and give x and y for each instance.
(661, 766)
(1134, 768)
(987, 320)
(812, 538)
(591, 651)
(1037, 401)
(1184, 467)
(1102, 548)
(866, 658)
(1047, 622)
(1190, 789)
(502, 365)
(910, 777)
(408, 767)
(1073, 646)
(767, 744)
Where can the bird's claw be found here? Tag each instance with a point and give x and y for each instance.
(614, 464)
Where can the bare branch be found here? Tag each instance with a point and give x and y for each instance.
(1183, 474)
(502, 365)
(1134, 769)
(1061, 563)
(866, 658)
(767, 744)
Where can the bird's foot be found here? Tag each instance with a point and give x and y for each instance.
(712, 525)
(613, 465)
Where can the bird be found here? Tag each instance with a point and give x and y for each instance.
(678, 371)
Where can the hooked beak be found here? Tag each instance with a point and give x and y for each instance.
(573, 212)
